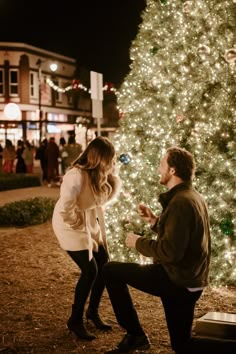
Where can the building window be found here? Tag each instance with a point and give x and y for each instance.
(70, 99)
(13, 82)
(33, 85)
(58, 95)
(55, 117)
(1, 82)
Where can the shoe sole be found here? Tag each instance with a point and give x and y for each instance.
(131, 351)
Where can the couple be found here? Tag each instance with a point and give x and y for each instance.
(180, 251)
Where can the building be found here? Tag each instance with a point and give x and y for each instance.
(49, 103)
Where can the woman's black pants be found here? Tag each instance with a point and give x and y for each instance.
(178, 303)
(90, 279)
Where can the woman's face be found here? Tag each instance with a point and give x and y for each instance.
(113, 169)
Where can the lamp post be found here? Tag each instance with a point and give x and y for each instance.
(39, 63)
(53, 67)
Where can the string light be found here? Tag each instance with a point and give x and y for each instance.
(77, 85)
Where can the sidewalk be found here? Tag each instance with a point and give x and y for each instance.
(27, 193)
(31, 192)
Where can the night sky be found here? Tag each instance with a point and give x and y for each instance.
(97, 33)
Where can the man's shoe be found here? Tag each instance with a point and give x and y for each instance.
(130, 343)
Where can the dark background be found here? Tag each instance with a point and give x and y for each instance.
(97, 33)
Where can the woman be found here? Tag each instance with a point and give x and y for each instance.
(8, 155)
(20, 162)
(40, 155)
(28, 156)
(78, 222)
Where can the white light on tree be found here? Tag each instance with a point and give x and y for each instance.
(12, 111)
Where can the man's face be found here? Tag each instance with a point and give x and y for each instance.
(165, 171)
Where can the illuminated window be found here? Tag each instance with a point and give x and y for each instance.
(53, 129)
(55, 117)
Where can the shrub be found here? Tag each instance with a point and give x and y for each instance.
(27, 212)
(18, 180)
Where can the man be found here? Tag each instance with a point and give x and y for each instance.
(181, 257)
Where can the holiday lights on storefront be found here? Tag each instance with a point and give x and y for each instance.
(76, 85)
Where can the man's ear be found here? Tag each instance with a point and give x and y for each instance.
(172, 171)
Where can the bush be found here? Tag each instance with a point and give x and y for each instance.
(27, 212)
(18, 180)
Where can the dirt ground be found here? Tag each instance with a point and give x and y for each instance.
(37, 286)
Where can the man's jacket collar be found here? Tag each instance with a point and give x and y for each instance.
(164, 198)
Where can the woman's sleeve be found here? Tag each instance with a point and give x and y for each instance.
(116, 184)
(69, 194)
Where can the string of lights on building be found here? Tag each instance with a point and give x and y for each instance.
(76, 85)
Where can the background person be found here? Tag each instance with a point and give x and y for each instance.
(8, 156)
(181, 255)
(41, 156)
(28, 156)
(70, 152)
(20, 162)
(78, 222)
(52, 155)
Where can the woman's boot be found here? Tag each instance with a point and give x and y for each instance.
(76, 325)
(96, 319)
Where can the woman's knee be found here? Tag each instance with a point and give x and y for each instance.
(101, 257)
(89, 271)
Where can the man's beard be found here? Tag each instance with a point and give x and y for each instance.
(165, 179)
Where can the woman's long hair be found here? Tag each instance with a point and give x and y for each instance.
(97, 160)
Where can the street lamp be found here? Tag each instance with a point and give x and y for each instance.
(53, 67)
(11, 111)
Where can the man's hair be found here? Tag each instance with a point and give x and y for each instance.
(182, 161)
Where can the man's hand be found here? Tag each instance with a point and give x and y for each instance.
(146, 214)
(131, 240)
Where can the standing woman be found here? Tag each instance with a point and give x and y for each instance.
(28, 156)
(78, 223)
(20, 162)
(8, 155)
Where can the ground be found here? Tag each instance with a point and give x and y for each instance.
(37, 285)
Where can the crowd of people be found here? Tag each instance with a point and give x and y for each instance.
(54, 158)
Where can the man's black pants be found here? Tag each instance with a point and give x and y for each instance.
(178, 302)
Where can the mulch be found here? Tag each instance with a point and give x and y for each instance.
(37, 288)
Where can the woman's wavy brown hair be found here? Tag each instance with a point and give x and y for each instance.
(97, 160)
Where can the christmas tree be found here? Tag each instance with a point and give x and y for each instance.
(180, 90)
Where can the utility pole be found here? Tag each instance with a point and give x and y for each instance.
(39, 62)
